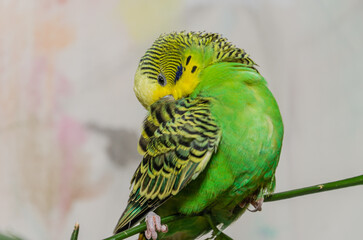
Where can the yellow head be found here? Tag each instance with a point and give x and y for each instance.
(173, 63)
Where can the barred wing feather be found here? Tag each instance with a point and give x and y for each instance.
(177, 142)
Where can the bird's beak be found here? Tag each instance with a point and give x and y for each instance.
(169, 97)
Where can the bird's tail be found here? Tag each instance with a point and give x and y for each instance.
(132, 215)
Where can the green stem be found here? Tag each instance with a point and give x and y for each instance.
(141, 228)
(75, 232)
(215, 229)
(349, 182)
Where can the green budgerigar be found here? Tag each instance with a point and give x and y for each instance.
(211, 140)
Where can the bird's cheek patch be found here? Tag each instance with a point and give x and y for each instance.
(179, 72)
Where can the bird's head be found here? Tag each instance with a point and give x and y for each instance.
(171, 66)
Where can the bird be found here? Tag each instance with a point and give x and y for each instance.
(211, 140)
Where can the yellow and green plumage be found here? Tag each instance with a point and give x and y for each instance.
(212, 138)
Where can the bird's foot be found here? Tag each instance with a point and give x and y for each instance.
(242, 204)
(153, 225)
(257, 204)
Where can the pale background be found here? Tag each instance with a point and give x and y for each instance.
(69, 120)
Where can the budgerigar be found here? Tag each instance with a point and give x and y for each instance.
(211, 140)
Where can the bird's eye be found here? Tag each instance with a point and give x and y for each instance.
(161, 80)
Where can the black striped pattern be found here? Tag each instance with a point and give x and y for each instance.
(165, 55)
(179, 138)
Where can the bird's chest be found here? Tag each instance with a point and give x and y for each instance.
(247, 149)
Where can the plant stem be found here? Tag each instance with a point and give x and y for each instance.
(349, 182)
(75, 232)
(142, 227)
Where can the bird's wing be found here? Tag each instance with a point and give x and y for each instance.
(178, 139)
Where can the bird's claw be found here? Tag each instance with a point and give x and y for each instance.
(153, 225)
(257, 204)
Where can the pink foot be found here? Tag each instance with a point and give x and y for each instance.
(153, 224)
(257, 204)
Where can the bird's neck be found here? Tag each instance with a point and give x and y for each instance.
(197, 61)
(217, 78)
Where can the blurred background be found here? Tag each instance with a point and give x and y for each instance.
(69, 120)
